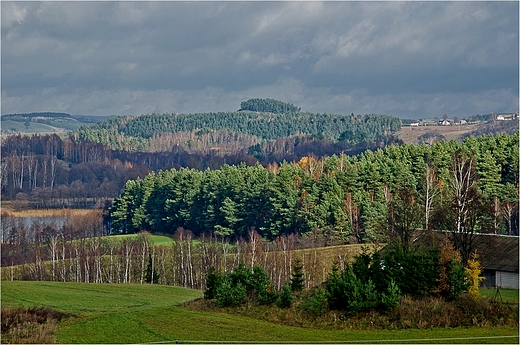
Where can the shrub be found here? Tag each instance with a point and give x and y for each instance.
(362, 265)
(473, 274)
(286, 298)
(34, 325)
(261, 287)
(335, 287)
(213, 281)
(370, 296)
(316, 302)
(241, 275)
(377, 281)
(415, 272)
(390, 299)
(230, 295)
(346, 291)
(230, 289)
(452, 277)
(456, 278)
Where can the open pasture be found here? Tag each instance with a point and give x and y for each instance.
(508, 296)
(411, 135)
(157, 240)
(132, 313)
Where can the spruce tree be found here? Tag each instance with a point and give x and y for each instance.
(297, 276)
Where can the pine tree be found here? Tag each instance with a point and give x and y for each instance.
(213, 282)
(286, 297)
(297, 276)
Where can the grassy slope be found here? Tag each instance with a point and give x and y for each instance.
(144, 313)
(55, 126)
(506, 295)
(158, 240)
(34, 127)
(411, 134)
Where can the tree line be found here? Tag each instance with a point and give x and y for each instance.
(44, 169)
(268, 105)
(469, 187)
(136, 133)
(48, 169)
(370, 281)
(308, 282)
(61, 254)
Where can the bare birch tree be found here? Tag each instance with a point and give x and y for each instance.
(508, 210)
(144, 250)
(431, 192)
(127, 247)
(462, 182)
(53, 246)
(469, 210)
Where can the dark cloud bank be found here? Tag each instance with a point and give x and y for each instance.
(408, 59)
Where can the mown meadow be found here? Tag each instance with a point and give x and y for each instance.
(134, 313)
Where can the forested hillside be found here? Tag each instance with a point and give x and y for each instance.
(258, 122)
(268, 105)
(469, 186)
(44, 122)
(94, 163)
(52, 171)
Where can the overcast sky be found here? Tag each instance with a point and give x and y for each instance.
(406, 59)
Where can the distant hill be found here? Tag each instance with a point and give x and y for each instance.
(45, 122)
(51, 115)
(258, 121)
(430, 134)
(92, 118)
(268, 105)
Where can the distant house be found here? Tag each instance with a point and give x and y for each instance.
(428, 122)
(497, 254)
(445, 123)
(506, 117)
(414, 124)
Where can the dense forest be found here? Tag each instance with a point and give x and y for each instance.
(95, 162)
(252, 186)
(468, 187)
(39, 168)
(382, 195)
(268, 105)
(278, 171)
(258, 122)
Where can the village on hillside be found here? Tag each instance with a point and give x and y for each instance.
(474, 119)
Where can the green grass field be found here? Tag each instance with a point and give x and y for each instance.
(504, 295)
(105, 313)
(157, 240)
(34, 127)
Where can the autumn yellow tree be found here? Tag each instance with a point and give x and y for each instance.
(473, 275)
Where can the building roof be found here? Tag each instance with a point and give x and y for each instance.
(495, 252)
(499, 253)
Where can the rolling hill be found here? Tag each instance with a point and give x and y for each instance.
(45, 122)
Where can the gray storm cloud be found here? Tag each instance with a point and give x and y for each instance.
(408, 59)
